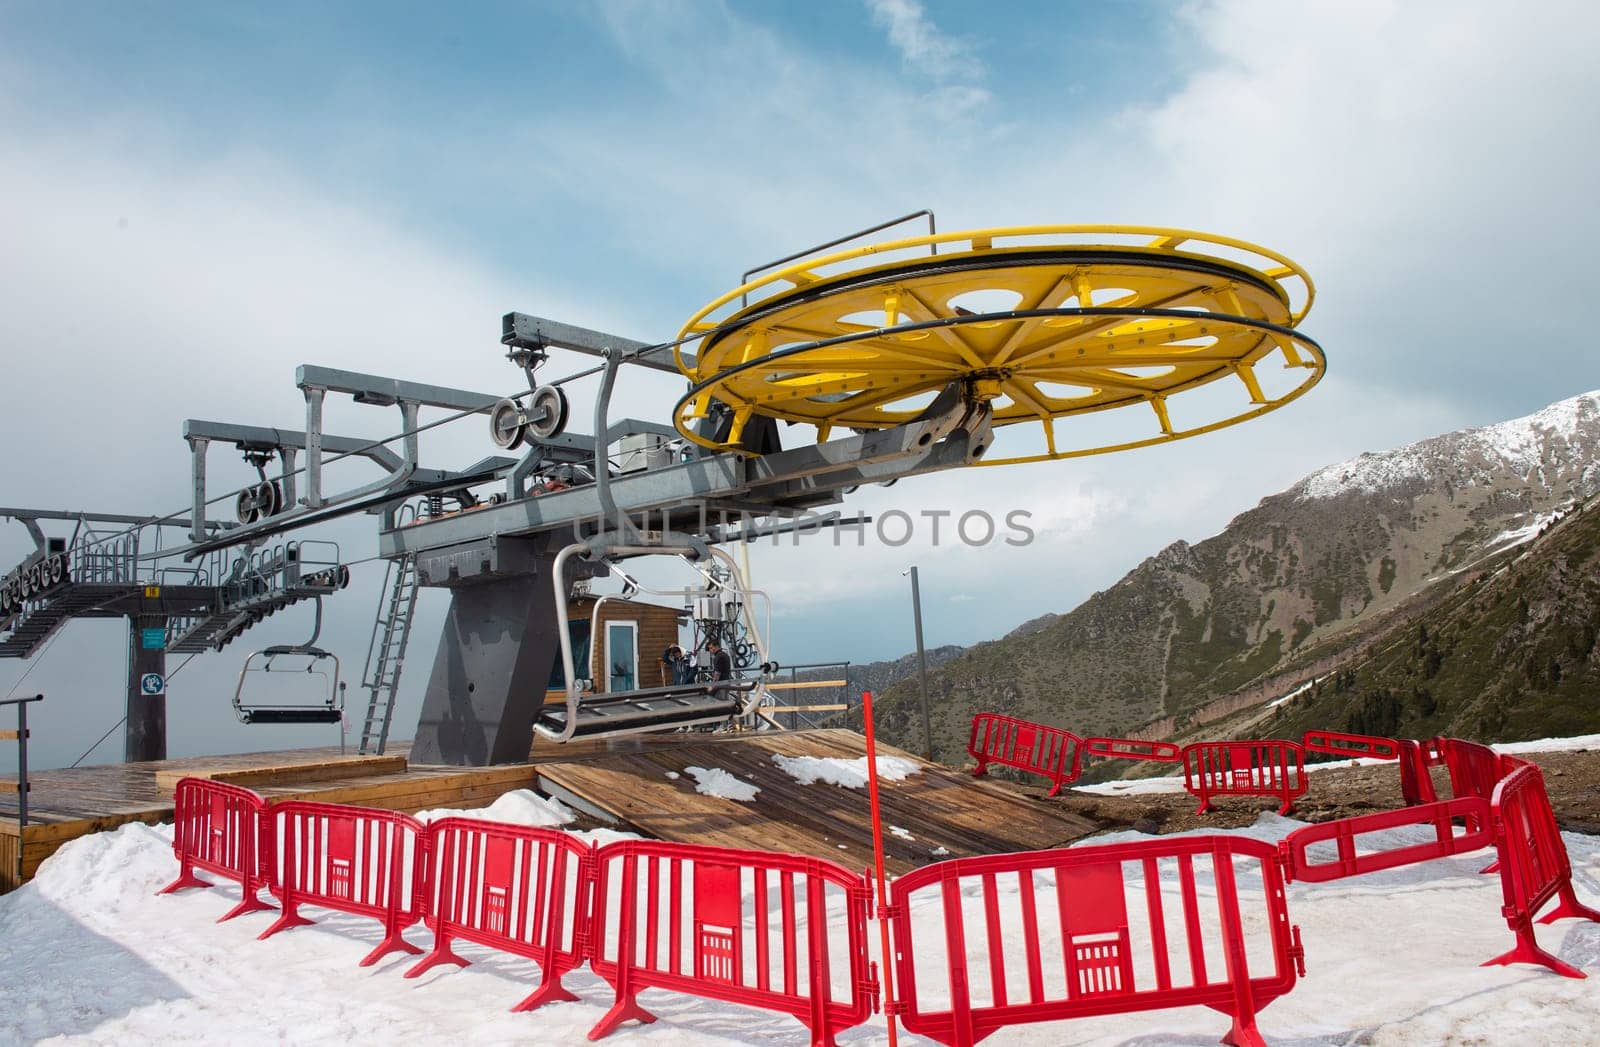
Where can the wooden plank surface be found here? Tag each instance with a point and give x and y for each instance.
(944, 812)
(286, 774)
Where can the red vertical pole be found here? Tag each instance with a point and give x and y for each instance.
(877, 857)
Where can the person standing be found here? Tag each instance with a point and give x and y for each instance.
(721, 661)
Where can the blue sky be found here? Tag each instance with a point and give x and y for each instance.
(196, 198)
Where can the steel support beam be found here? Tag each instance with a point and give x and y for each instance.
(521, 331)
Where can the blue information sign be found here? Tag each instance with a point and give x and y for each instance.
(153, 639)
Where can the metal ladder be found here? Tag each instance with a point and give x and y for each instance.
(386, 654)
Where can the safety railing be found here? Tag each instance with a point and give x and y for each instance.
(222, 829)
(1362, 746)
(1534, 867)
(1355, 857)
(515, 889)
(1270, 768)
(1417, 759)
(1114, 961)
(1133, 749)
(761, 932)
(1051, 752)
(350, 859)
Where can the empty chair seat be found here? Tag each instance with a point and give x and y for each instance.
(651, 709)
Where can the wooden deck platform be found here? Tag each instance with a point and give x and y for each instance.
(941, 812)
(622, 781)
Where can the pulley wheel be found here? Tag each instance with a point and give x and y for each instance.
(244, 506)
(547, 413)
(505, 425)
(58, 569)
(270, 497)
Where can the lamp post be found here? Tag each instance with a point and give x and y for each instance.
(922, 664)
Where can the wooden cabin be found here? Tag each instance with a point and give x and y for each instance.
(633, 634)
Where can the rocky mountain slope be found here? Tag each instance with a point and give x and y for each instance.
(1511, 656)
(1341, 549)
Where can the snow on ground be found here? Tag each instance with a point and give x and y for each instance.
(836, 770)
(521, 807)
(714, 781)
(93, 956)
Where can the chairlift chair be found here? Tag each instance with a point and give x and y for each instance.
(331, 710)
(699, 704)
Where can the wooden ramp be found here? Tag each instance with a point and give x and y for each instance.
(622, 781)
(946, 813)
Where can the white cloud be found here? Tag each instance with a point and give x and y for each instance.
(922, 45)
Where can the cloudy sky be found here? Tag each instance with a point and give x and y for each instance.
(195, 199)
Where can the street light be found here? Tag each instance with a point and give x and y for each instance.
(922, 663)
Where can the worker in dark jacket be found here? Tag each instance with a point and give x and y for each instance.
(721, 663)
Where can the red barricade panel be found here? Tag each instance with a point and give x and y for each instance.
(1534, 867)
(352, 859)
(220, 828)
(776, 931)
(1474, 768)
(1053, 752)
(1345, 836)
(1271, 768)
(1416, 783)
(1133, 749)
(517, 889)
(1365, 746)
(1052, 935)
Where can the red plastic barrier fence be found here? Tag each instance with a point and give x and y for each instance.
(1416, 758)
(351, 859)
(1114, 962)
(1534, 867)
(1358, 745)
(748, 927)
(514, 888)
(1133, 749)
(1345, 832)
(219, 828)
(1474, 768)
(1274, 768)
(1053, 752)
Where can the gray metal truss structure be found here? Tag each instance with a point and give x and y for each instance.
(494, 547)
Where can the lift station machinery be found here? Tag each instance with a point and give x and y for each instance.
(824, 371)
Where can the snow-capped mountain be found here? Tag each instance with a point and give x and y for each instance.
(1303, 571)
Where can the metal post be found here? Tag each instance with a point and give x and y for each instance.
(145, 736)
(922, 666)
(22, 779)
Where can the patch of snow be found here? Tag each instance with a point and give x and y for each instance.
(714, 781)
(1519, 535)
(836, 770)
(939, 852)
(1135, 786)
(1550, 745)
(895, 830)
(1292, 695)
(521, 807)
(673, 775)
